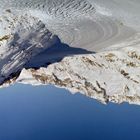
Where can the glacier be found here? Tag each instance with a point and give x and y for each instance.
(86, 46)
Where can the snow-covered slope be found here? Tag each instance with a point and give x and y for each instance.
(82, 23)
(38, 33)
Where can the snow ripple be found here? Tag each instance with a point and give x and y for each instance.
(79, 23)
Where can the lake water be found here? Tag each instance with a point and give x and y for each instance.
(49, 113)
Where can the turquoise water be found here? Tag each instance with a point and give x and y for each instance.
(49, 113)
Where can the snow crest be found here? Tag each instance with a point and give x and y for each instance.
(22, 38)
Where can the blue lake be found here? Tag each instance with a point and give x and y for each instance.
(49, 113)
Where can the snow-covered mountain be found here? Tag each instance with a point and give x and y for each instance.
(107, 76)
(86, 46)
